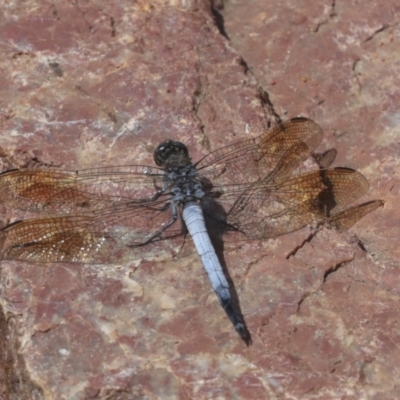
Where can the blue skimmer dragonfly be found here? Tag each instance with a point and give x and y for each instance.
(247, 190)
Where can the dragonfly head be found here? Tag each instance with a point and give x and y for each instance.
(171, 153)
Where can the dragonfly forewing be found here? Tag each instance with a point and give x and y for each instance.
(254, 159)
(69, 192)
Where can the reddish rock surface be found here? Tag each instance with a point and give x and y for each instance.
(93, 84)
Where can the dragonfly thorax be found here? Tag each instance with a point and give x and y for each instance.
(183, 183)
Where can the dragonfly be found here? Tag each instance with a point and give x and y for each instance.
(250, 190)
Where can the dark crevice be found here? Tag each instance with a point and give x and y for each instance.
(219, 19)
(331, 16)
(262, 95)
(335, 365)
(216, 6)
(243, 63)
(381, 29)
(303, 297)
(297, 248)
(360, 244)
(333, 269)
(267, 104)
(354, 69)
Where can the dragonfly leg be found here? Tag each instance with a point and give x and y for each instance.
(160, 231)
(151, 199)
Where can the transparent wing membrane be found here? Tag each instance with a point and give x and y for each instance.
(113, 214)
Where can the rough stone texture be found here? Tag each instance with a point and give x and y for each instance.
(92, 84)
(337, 63)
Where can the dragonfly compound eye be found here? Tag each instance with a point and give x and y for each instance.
(171, 152)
